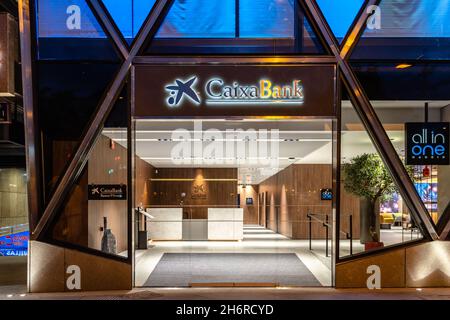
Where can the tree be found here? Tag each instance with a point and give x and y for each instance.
(366, 176)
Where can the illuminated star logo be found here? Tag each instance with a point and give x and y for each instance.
(95, 191)
(179, 89)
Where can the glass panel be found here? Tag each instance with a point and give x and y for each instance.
(404, 81)
(413, 19)
(266, 19)
(129, 15)
(370, 201)
(415, 83)
(14, 228)
(430, 180)
(67, 30)
(67, 92)
(95, 214)
(233, 197)
(407, 30)
(199, 19)
(214, 27)
(340, 15)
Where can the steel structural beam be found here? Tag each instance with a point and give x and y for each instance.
(443, 225)
(94, 129)
(9, 6)
(30, 116)
(361, 102)
(105, 20)
(367, 113)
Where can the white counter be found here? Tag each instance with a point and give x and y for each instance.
(225, 223)
(222, 224)
(167, 224)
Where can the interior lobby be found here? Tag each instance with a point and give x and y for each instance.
(240, 202)
(227, 201)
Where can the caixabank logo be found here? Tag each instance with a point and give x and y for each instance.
(427, 143)
(216, 91)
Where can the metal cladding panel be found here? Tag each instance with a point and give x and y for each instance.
(8, 54)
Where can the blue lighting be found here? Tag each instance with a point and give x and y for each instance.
(14, 244)
(257, 18)
(340, 14)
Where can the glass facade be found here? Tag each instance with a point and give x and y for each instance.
(133, 200)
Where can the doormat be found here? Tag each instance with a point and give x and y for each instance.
(193, 269)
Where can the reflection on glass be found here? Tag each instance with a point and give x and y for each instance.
(95, 213)
(220, 199)
(370, 201)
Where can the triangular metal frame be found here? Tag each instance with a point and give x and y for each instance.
(341, 54)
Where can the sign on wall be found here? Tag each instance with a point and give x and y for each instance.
(326, 194)
(107, 192)
(235, 90)
(427, 143)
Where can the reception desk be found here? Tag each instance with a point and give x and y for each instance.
(222, 224)
(225, 223)
(166, 224)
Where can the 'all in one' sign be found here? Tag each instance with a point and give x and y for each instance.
(427, 143)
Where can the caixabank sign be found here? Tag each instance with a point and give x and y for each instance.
(427, 143)
(235, 90)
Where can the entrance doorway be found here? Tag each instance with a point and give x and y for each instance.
(228, 201)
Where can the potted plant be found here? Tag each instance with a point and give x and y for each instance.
(367, 177)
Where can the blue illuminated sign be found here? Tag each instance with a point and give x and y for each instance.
(326, 194)
(14, 244)
(427, 143)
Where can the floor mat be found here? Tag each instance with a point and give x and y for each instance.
(182, 269)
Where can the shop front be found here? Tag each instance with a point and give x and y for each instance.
(222, 158)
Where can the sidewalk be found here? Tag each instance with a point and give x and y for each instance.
(19, 292)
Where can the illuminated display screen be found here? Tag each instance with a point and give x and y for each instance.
(427, 191)
(14, 244)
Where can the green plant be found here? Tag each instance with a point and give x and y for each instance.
(366, 176)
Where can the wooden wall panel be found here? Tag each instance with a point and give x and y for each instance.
(251, 214)
(107, 166)
(8, 53)
(195, 205)
(293, 193)
(144, 173)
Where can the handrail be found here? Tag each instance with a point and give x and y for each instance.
(5, 231)
(348, 235)
(325, 224)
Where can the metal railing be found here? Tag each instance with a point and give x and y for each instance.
(5, 231)
(325, 223)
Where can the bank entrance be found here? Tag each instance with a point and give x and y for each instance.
(233, 174)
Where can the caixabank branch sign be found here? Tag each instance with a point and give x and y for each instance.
(427, 143)
(235, 90)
